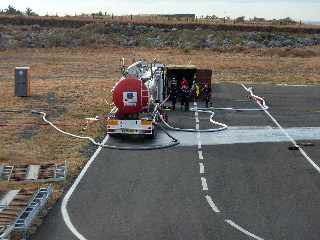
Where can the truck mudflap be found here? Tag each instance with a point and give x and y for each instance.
(132, 127)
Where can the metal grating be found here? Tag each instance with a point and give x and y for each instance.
(19, 208)
(33, 173)
(34, 206)
(12, 205)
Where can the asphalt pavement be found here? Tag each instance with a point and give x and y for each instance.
(205, 191)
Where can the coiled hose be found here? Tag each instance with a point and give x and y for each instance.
(210, 110)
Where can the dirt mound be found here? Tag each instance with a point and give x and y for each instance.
(291, 52)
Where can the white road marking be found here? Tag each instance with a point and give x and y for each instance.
(196, 114)
(241, 229)
(287, 134)
(212, 204)
(201, 165)
(201, 168)
(204, 184)
(200, 155)
(198, 135)
(64, 211)
(244, 134)
(293, 85)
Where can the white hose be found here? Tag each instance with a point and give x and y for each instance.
(44, 115)
(257, 98)
(222, 126)
(209, 110)
(173, 143)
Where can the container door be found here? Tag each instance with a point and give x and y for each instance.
(22, 88)
(204, 77)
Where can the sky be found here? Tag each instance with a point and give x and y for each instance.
(306, 10)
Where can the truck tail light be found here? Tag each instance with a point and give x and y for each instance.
(113, 122)
(146, 122)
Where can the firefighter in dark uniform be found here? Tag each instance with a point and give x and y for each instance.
(185, 94)
(174, 93)
(206, 91)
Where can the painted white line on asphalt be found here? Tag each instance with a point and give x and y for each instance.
(64, 211)
(212, 204)
(198, 127)
(293, 141)
(286, 134)
(196, 114)
(200, 155)
(293, 85)
(204, 184)
(198, 135)
(201, 168)
(241, 229)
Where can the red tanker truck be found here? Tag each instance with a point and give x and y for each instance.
(142, 91)
(136, 96)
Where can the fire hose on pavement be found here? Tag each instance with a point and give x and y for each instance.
(172, 143)
(157, 116)
(221, 126)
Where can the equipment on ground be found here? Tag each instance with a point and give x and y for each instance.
(143, 90)
(22, 82)
(139, 98)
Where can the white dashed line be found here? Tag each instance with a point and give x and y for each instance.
(201, 168)
(212, 205)
(201, 165)
(241, 229)
(200, 155)
(204, 184)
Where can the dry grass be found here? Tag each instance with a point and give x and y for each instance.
(73, 84)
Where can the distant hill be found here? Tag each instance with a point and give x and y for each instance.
(77, 22)
(47, 32)
(313, 22)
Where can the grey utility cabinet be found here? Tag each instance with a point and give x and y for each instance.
(22, 82)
